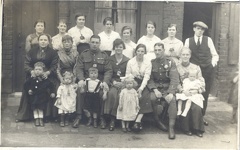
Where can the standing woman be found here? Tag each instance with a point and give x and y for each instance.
(41, 53)
(108, 36)
(80, 34)
(150, 39)
(32, 39)
(172, 45)
(130, 45)
(193, 122)
(119, 64)
(140, 67)
(57, 39)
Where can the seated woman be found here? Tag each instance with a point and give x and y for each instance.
(140, 67)
(119, 64)
(193, 122)
(45, 54)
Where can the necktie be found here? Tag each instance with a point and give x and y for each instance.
(198, 42)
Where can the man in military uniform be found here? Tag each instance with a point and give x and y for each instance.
(204, 55)
(163, 84)
(92, 57)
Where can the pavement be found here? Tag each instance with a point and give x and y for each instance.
(219, 134)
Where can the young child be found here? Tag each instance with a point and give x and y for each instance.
(128, 103)
(40, 91)
(66, 98)
(192, 85)
(92, 96)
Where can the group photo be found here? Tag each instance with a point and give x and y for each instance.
(120, 74)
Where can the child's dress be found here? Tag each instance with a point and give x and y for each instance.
(188, 85)
(41, 89)
(92, 97)
(130, 105)
(67, 95)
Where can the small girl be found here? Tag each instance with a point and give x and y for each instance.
(92, 96)
(193, 86)
(66, 98)
(128, 103)
(40, 90)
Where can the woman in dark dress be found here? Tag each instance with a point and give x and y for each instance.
(41, 53)
(119, 63)
(193, 122)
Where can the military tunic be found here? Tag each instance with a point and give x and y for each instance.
(165, 78)
(87, 59)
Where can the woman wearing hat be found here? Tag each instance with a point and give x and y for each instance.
(204, 55)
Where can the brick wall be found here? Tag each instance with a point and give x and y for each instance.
(224, 71)
(7, 48)
(173, 13)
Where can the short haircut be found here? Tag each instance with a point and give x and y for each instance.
(126, 28)
(95, 36)
(39, 21)
(152, 23)
(62, 21)
(93, 69)
(81, 14)
(118, 42)
(172, 25)
(40, 64)
(141, 46)
(107, 19)
(67, 38)
(159, 44)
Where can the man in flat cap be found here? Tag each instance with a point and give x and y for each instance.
(203, 54)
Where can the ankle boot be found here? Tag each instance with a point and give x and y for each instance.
(102, 123)
(67, 116)
(62, 120)
(41, 122)
(95, 125)
(90, 120)
(171, 134)
(37, 122)
(76, 122)
(112, 125)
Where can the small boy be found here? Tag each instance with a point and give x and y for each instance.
(40, 90)
(92, 97)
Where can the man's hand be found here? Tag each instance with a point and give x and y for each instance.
(187, 93)
(157, 93)
(169, 97)
(117, 84)
(214, 63)
(46, 74)
(33, 74)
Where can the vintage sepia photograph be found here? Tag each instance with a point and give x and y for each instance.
(122, 74)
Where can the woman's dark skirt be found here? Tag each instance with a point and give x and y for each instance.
(193, 120)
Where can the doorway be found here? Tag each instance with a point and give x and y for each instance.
(25, 14)
(197, 12)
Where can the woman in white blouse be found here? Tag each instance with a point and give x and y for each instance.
(57, 39)
(140, 67)
(150, 39)
(130, 45)
(108, 36)
(172, 45)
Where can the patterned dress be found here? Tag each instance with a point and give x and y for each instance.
(129, 103)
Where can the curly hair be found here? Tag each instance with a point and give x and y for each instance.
(129, 79)
(68, 74)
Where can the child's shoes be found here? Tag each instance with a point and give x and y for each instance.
(90, 121)
(95, 125)
(124, 129)
(128, 129)
(36, 123)
(41, 122)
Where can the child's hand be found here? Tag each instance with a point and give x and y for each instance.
(52, 95)
(30, 92)
(59, 101)
(120, 108)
